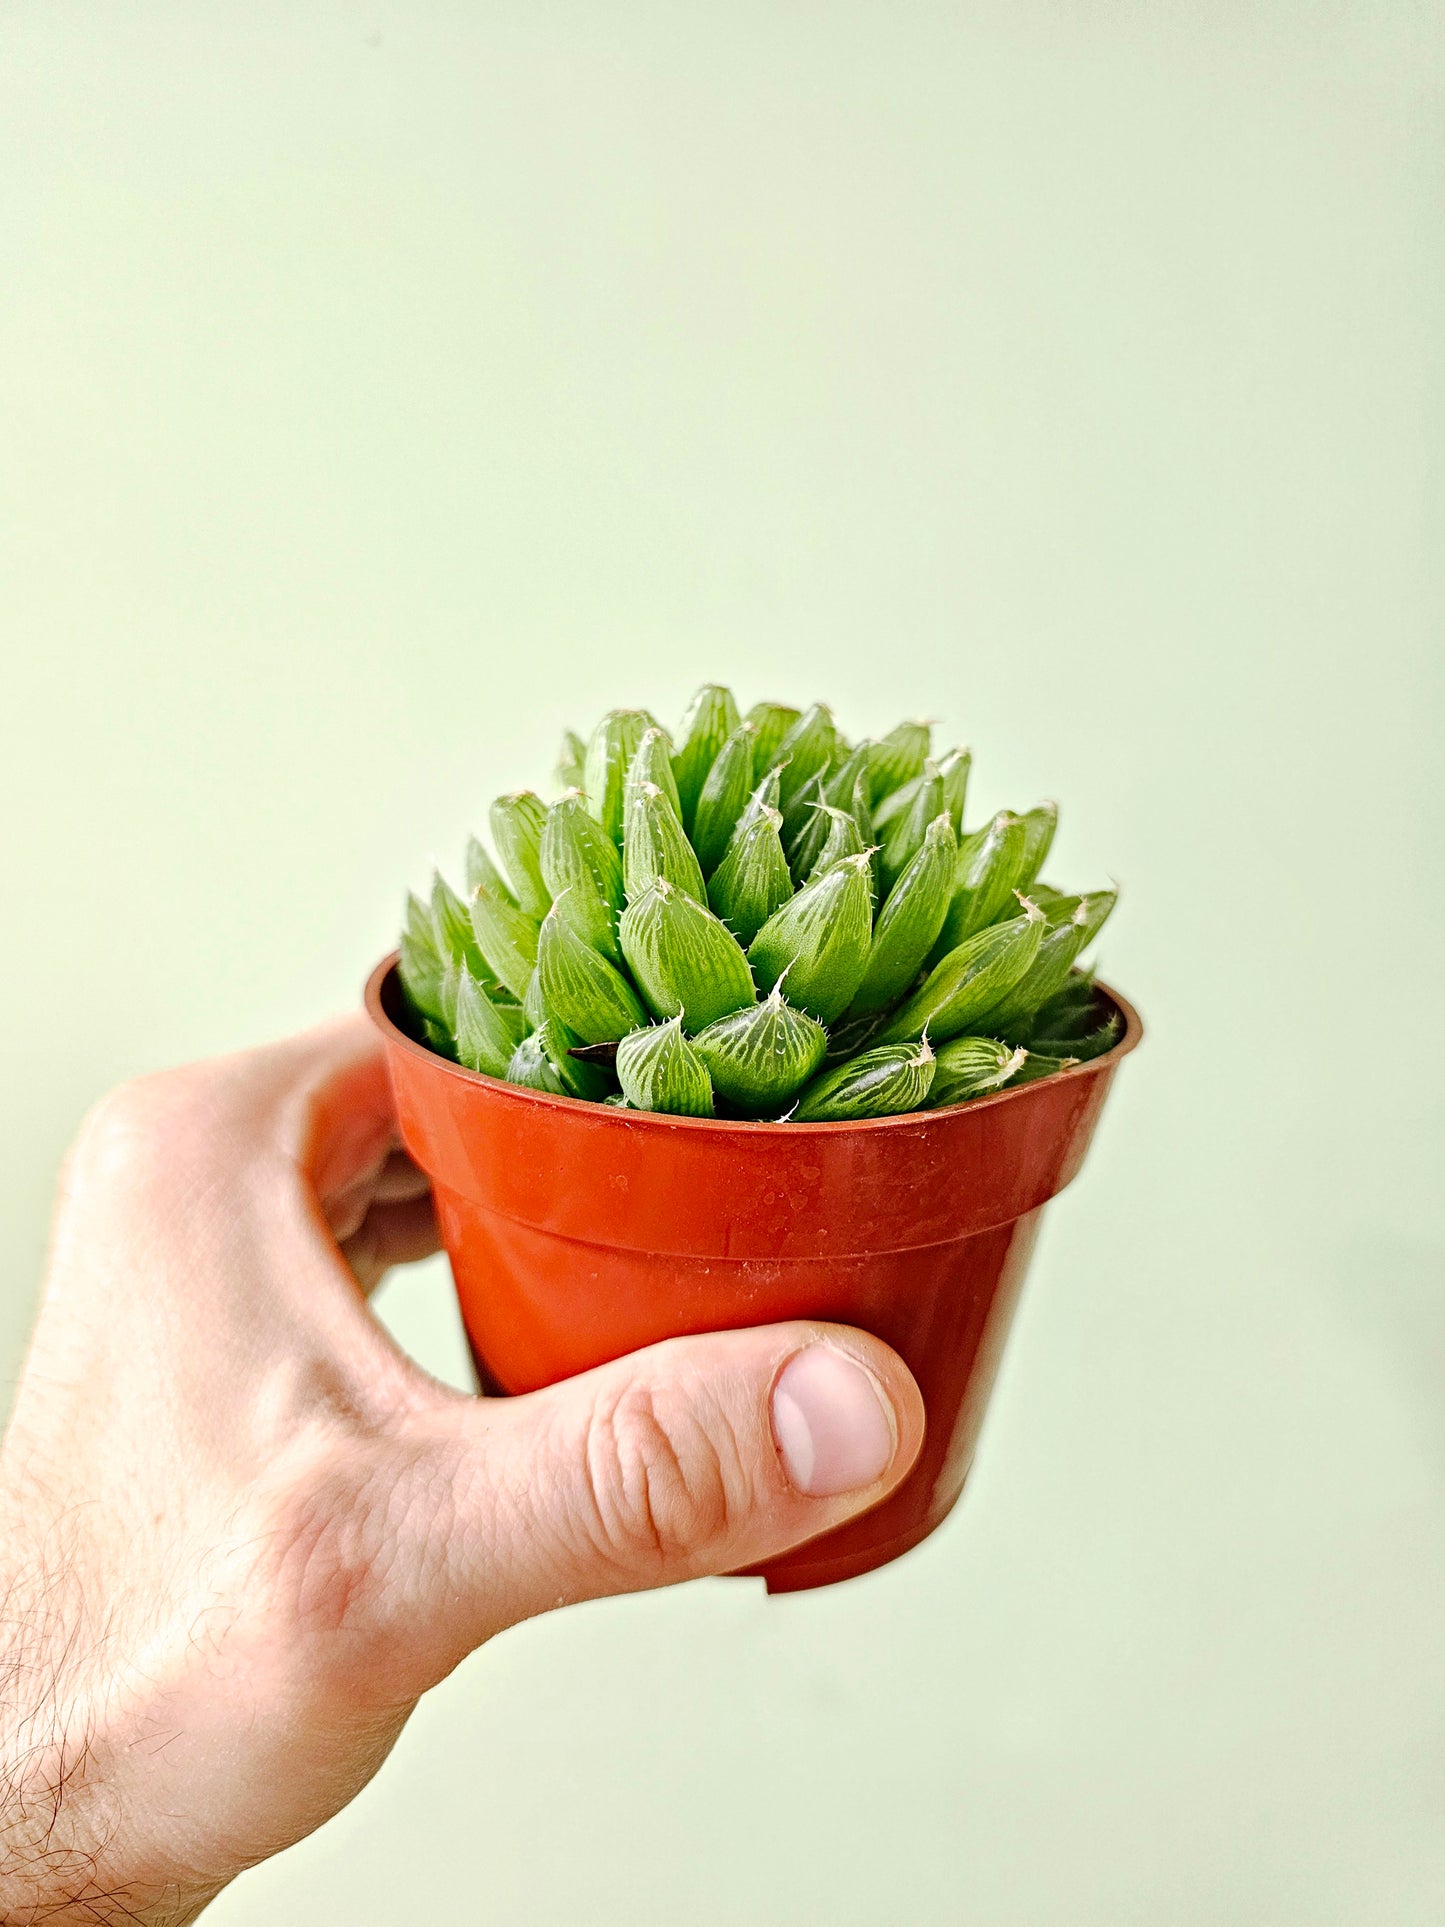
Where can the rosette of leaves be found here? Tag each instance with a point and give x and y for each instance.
(752, 917)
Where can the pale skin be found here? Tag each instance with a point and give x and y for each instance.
(241, 1532)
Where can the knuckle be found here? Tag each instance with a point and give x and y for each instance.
(116, 1120)
(129, 1123)
(666, 1476)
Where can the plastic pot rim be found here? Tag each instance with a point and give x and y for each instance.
(666, 1120)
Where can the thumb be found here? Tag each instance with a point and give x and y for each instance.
(699, 1455)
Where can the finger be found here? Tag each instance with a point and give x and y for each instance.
(391, 1179)
(399, 1179)
(391, 1234)
(324, 1099)
(345, 1117)
(307, 1124)
(700, 1455)
(321, 1099)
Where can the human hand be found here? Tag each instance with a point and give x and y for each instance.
(241, 1532)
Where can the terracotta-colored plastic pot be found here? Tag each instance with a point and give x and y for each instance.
(578, 1232)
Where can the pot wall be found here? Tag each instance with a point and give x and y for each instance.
(578, 1232)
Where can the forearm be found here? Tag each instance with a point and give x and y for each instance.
(51, 1875)
(70, 1849)
(60, 1861)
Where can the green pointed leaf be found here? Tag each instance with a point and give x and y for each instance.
(1043, 988)
(656, 845)
(580, 988)
(576, 849)
(840, 838)
(517, 821)
(805, 752)
(1061, 1033)
(421, 963)
(990, 863)
(438, 1038)
(954, 769)
(609, 753)
(1057, 905)
(684, 960)
(849, 1036)
(805, 827)
(455, 939)
(582, 870)
(910, 920)
(903, 838)
(898, 757)
(651, 763)
(753, 878)
(711, 718)
(965, 986)
(452, 975)
(862, 816)
(417, 924)
(798, 815)
(1069, 1012)
(1074, 922)
(972, 1067)
(760, 1056)
(593, 921)
(880, 1083)
(660, 1071)
(819, 940)
(889, 808)
(772, 721)
(764, 797)
(482, 872)
(842, 778)
(723, 797)
(532, 1067)
(1048, 973)
(1039, 827)
(1039, 1064)
(506, 938)
(486, 1035)
(577, 1078)
(570, 772)
(849, 787)
(1103, 1037)
(1098, 908)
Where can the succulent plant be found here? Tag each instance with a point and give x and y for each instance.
(757, 919)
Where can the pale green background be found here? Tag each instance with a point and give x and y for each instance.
(383, 387)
